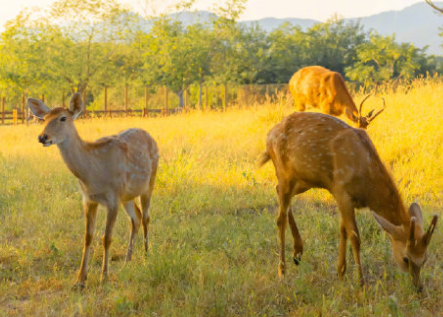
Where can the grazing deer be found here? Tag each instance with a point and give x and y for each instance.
(314, 150)
(112, 170)
(322, 88)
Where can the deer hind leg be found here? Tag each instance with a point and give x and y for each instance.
(348, 230)
(284, 191)
(298, 242)
(145, 200)
(107, 237)
(135, 216)
(90, 209)
(341, 266)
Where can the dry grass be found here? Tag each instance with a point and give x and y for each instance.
(213, 233)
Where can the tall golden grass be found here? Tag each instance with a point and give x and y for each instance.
(213, 234)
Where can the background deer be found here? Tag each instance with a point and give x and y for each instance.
(322, 88)
(112, 170)
(313, 150)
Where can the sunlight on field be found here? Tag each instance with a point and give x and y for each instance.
(213, 234)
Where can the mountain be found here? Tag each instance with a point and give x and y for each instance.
(418, 24)
(269, 24)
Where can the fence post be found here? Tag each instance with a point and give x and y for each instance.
(23, 108)
(63, 99)
(3, 109)
(43, 97)
(166, 100)
(14, 117)
(146, 113)
(106, 100)
(27, 114)
(225, 99)
(126, 99)
(186, 99)
(207, 98)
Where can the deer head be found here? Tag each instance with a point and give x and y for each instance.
(58, 121)
(409, 245)
(363, 121)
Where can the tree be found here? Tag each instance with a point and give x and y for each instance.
(382, 59)
(287, 51)
(94, 29)
(173, 55)
(25, 44)
(333, 44)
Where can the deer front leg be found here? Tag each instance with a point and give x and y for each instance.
(135, 218)
(90, 210)
(107, 237)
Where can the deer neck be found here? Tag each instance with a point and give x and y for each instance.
(76, 155)
(394, 210)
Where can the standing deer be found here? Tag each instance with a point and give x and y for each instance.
(322, 88)
(112, 170)
(314, 150)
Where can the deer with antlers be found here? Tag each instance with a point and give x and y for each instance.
(322, 88)
(314, 150)
(112, 170)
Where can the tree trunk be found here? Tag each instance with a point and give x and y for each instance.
(181, 100)
(200, 93)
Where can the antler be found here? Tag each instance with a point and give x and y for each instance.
(361, 104)
(434, 6)
(372, 117)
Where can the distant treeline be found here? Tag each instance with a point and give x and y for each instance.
(79, 45)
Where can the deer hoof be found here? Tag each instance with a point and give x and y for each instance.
(281, 271)
(78, 286)
(297, 259)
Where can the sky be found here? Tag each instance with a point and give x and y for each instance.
(256, 9)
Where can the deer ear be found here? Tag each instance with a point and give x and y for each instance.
(351, 115)
(38, 108)
(76, 105)
(393, 230)
(415, 211)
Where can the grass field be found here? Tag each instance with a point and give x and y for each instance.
(213, 237)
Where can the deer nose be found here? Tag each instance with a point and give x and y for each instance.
(42, 138)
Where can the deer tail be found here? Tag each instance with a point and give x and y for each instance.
(264, 158)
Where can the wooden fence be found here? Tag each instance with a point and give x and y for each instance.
(161, 103)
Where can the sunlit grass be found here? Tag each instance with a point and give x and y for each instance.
(213, 246)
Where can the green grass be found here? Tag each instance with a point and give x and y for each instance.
(213, 237)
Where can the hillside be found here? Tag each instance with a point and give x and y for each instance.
(418, 24)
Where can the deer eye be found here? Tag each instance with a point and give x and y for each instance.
(406, 260)
(63, 119)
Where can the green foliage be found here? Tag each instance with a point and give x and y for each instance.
(381, 59)
(78, 45)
